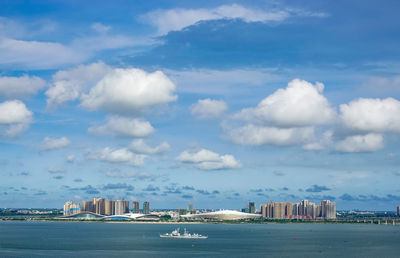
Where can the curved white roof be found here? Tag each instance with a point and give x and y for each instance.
(224, 215)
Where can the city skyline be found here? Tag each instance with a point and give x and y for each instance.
(213, 103)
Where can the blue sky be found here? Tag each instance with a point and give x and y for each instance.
(215, 103)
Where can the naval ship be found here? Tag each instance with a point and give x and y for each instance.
(176, 234)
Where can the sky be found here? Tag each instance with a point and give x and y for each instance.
(215, 103)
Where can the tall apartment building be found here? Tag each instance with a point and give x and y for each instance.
(277, 210)
(146, 208)
(109, 207)
(99, 205)
(135, 207)
(398, 210)
(252, 207)
(121, 207)
(88, 206)
(328, 209)
(71, 208)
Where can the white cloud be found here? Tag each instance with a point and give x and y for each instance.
(54, 170)
(122, 126)
(20, 87)
(372, 115)
(208, 108)
(129, 90)
(15, 118)
(68, 85)
(221, 82)
(208, 160)
(71, 158)
(122, 156)
(177, 19)
(259, 135)
(361, 143)
(321, 143)
(37, 54)
(55, 143)
(300, 104)
(100, 28)
(140, 146)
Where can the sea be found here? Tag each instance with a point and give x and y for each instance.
(80, 239)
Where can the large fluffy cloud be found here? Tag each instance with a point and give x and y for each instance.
(299, 104)
(55, 143)
(15, 118)
(372, 115)
(20, 87)
(177, 19)
(140, 146)
(208, 108)
(122, 126)
(208, 160)
(68, 85)
(361, 143)
(259, 135)
(129, 90)
(122, 156)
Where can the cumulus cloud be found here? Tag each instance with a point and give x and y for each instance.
(54, 170)
(122, 156)
(177, 19)
(208, 160)
(123, 126)
(258, 135)
(55, 143)
(20, 87)
(15, 118)
(140, 146)
(299, 104)
(71, 158)
(129, 90)
(208, 108)
(68, 85)
(372, 115)
(361, 143)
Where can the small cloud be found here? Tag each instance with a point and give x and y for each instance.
(284, 189)
(269, 190)
(118, 186)
(256, 190)
(208, 108)
(53, 170)
(55, 143)
(151, 188)
(215, 192)
(24, 173)
(41, 193)
(317, 189)
(188, 188)
(70, 158)
(58, 177)
(186, 196)
(78, 180)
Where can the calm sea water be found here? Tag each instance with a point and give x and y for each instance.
(63, 239)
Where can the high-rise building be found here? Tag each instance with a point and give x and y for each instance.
(88, 206)
(109, 207)
(100, 205)
(398, 210)
(277, 210)
(135, 207)
(71, 208)
(146, 208)
(182, 211)
(121, 207)
(252, 207)
(328, 209)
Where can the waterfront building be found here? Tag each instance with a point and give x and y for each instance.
(121, 207)
(109, 207)
(398, 211)
(191, 210)
(146, 208)
(252, 207)
(328, 209)
(182, 212)
(135, 207)
(88, 206)
(277, 210)
(71, 208)
(99, 205)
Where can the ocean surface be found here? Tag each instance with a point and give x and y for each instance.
(70, 239)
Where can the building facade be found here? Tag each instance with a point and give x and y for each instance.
(135, 207)
(146, 208)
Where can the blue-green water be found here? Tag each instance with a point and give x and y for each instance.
(62, 239)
